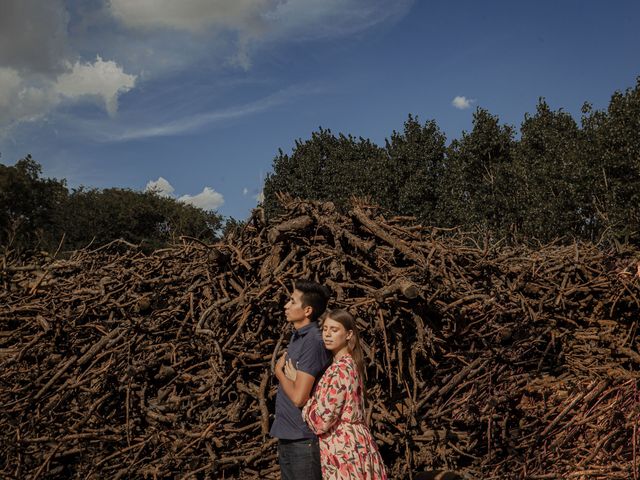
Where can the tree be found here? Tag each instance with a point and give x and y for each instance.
(325, 167)
(30, 206)
(401, 177)
(551, 175)
(612, 150)
(415, 168)
(38, 212)
(477, 186)
(138, 217)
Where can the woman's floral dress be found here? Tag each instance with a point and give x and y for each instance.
(336, 414)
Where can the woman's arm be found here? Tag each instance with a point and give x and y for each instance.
(323, 411)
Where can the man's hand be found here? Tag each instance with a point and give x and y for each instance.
(280, 362)
(297, 390)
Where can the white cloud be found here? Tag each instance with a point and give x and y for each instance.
(100, 79)
(305, 19)
(208, 199)
(20, 101)
(52, 52)
(27, 97)
(195, 15)
(255, 24)
(245, 190)
(9, 85)
(462, 103)
(260, 196)
(39, 69)
(195, 122)
(259, 18)
(161, 187)
(33, 35)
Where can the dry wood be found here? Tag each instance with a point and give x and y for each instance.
(495, 361)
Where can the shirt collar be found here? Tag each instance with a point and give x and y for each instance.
(304, 330)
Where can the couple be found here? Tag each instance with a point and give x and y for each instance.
(322, 371)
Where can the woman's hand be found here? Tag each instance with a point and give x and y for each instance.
(290, 371)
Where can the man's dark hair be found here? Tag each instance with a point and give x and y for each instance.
(314, 295)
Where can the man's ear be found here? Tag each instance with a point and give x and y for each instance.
(308, 311)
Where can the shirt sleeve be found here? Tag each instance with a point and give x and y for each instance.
(323, 410)
(313, 358)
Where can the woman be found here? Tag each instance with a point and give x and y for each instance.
(336, 412)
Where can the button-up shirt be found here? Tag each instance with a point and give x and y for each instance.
(307, 351)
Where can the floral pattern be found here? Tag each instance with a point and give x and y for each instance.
(336, 414)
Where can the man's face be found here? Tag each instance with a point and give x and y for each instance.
(293, 310)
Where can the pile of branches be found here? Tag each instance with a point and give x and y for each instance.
(493, 361)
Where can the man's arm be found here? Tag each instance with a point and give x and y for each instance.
(298, 391)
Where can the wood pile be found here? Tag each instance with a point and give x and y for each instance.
(496, 362)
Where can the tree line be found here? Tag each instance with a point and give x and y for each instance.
(39, 213)
(553, 179)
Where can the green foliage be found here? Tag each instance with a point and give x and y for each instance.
(555, 179)
(416, 166)
(551, 175)
(138, 217)
(36, 212)
(325, 167)
(477, 188)
(612, 151)
(30, 207)
(400, 177)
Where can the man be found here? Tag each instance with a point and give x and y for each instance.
(298, 447)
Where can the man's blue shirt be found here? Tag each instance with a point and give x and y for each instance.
(307, 351)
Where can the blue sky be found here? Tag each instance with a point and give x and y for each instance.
(199, 95)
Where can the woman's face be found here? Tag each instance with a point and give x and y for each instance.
(334, 335)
